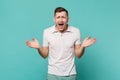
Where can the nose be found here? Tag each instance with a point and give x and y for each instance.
(61, 19)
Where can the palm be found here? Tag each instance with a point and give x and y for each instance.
(87, 42)
(33, 44)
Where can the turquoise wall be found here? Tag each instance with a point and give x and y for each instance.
(20, 20)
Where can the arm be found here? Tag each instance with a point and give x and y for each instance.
(79, 49)
(43, 51)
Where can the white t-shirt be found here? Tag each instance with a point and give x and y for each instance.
(61, 50)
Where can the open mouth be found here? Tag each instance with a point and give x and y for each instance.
(60, 24)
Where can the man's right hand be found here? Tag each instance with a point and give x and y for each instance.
(33, 44)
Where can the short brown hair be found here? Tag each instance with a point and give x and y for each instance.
(60, 9)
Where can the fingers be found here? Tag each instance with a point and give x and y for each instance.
(28, 43)
(88, 41)
(87, 38)
(93, 40)
(34, 39)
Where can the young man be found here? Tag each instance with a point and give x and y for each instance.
(62, 43)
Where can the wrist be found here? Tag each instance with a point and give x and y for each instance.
(83, 46)
(38, 48)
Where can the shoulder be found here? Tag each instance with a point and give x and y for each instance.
(49, 30)
(74, 29)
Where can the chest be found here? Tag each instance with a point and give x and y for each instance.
(66, 40)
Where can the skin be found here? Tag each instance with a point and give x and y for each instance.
(61, 19)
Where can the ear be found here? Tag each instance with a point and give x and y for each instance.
(68, 19)
(54, 19)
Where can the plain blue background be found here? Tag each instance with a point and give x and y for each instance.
(20, 20)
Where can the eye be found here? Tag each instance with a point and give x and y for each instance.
(58, 17)
(64, 17)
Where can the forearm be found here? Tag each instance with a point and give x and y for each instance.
(80, 51)
(43, 52)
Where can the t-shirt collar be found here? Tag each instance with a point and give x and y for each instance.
(54, 30)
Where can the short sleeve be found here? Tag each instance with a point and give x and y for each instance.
(78, 37)
(45, 40)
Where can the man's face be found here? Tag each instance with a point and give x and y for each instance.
(61, 20)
